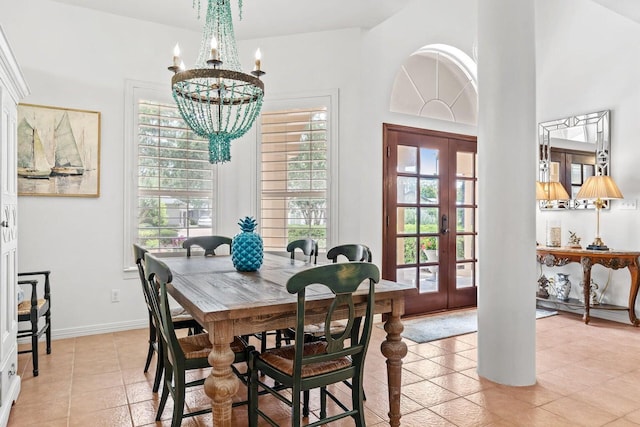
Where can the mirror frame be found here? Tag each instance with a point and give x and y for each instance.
(601, 153)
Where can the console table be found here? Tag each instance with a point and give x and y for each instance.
(556, 257)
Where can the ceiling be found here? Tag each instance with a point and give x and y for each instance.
(260, 18)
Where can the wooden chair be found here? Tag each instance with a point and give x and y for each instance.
(208, 243)
(309, 247)
(32, 310)
(352, 252)
(305, 366)
(181, 320)
(180, 354)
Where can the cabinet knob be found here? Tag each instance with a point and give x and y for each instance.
(4, 224)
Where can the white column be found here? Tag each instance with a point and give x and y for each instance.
(507, 164)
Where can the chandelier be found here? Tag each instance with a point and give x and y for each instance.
(215, 98)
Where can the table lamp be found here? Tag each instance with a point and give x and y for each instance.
(599, 188)
(549, 191)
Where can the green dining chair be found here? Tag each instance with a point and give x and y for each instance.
(208, 243)
(309, 247)
(309, 365)
(351, 252)
(181, 354)
(181, 320)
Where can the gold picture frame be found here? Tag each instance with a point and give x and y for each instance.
(58, 151)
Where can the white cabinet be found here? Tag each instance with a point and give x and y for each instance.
(12, 89)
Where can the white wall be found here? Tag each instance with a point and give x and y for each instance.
(73, 57)
(585, 63)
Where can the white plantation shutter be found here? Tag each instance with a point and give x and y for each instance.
(294, 180)
(175, 180)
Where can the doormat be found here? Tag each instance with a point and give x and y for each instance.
(449, 325)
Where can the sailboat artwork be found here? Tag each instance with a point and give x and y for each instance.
(32, 162)
(68, 161)
(58, 151)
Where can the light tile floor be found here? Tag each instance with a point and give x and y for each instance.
(587, 376)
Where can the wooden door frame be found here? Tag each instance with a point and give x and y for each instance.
(388, 185)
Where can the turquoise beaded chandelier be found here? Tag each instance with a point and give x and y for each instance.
(215, 98)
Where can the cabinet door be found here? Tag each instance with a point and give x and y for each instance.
(9, 227)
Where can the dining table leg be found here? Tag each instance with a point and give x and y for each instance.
(221, 384)
(394, 349)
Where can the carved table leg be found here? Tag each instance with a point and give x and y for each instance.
(394, 350)
(633, 292)
(221, 385)
(586, 282)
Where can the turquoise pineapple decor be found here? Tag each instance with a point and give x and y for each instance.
(246, 248)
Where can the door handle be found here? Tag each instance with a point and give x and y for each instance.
(444, 225)
(4, 224)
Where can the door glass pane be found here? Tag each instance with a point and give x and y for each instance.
(429, 161)
(465, 247)
(464, 219)
(407, 159)
(465, 165)
(465, 192)
(406, 276)
(407, 189)
(406, 219)
(406, 250)
(465, 274)
(428, 279)
(429, 220)
(429, 190)
(429, 249)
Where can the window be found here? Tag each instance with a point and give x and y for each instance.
(172, 187)
(295, 182)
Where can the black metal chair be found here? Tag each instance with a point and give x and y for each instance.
(180, 354)
(32, 310)
(309, 247)
(305, 366)
(208, 243)
(181, 320)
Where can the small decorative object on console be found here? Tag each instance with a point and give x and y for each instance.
(574, 241)
(246, 248)
(543, 287)
(562, 286)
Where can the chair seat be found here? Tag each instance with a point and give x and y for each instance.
(24, 308)
(179, 313)
(317, 329)
(282, 359)
(197, 346)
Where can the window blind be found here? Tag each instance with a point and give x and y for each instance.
(294, 180)
(175, 179)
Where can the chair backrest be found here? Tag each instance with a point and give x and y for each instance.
(352, 252)
(342, 279)
(308, 246)
(208, 243)
(138, 254)
(158, 275)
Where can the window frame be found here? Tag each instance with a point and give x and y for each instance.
(134, 92)
(330, 100)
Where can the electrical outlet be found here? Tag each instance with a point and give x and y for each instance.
(629, 204)
(115, 295)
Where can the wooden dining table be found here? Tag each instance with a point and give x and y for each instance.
(229, 303)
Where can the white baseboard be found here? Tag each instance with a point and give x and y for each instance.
(104, 328)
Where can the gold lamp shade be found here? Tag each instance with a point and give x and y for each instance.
(551, 191)
(599, 188)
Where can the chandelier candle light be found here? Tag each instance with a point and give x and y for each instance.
(215, 98)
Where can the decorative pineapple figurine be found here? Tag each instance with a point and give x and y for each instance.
(246, 248)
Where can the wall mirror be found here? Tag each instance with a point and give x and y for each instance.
(571, 150)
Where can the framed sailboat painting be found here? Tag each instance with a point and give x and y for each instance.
(58, 151)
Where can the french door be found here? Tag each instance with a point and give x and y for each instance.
(430, 217)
